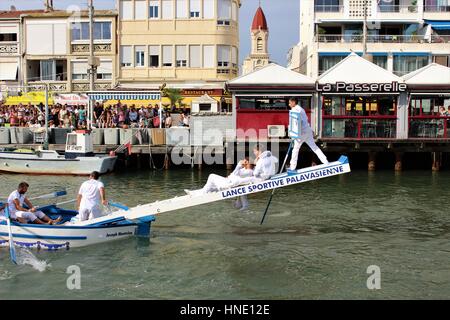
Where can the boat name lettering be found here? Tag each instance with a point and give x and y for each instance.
(271, 184)
(120, 234)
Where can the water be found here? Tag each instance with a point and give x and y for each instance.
(317, 242)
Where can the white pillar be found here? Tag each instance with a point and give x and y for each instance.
(402, 116)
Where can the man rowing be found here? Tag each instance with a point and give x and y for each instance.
(90, 198)
(306, 136)
(16, 201)
(265, 168)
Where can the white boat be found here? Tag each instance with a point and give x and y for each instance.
(137, 221)
(79, 159)
(68, 236)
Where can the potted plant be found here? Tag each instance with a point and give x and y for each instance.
(413, 6)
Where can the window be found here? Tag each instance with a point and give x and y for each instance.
(194, 57)
(208, 9)
(208, 57)
(48, 70)
(223, 56)
(234, 57)
(154, 57)
(104, 71)
(167, 56)
(181, 56)
(126, 10)
(194, 6)
(327, 6)
(140, 56)
(139, 10)
(380, 61)
(442, 60)
(406, 64)
(8, 37)
(224, 12)
(167, 9)
(154, 10)
(125, 56)
(327, 62)
(80, 31)
(259, 45)
(181, 9)
(79, 70)
(102, 30)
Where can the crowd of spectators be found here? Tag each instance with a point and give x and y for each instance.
(112, 116)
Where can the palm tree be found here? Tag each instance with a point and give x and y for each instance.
(175, 96)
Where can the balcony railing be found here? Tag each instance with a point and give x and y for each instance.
(329, 8)
(9, 48)
(398, 8)
(337, 38)
(437, 8)
(53, 86)
(360, 128)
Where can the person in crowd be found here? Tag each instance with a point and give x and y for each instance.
(16, 201)
(168, 120)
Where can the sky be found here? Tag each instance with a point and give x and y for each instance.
(282, 18)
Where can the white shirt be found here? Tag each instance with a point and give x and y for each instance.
(306, 128)
(266, 166)
(12, 206)
(90, 193)
(241, 172)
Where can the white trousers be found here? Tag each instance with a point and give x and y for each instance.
(90, 213)
(30, 216)
(309, 140)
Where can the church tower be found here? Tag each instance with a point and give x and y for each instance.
(259, 56)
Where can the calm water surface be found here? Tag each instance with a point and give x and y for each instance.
(317, 242)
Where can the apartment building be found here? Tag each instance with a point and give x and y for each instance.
(55, 49)
(184, 43)
(402, 35)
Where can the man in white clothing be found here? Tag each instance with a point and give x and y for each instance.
(265, 168)
(16, 201)
(306, 136)
(90, 198)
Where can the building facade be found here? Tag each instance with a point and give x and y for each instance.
(402, 35)
(188, 43)
(259, 56)
(10, 48)
(55, 50)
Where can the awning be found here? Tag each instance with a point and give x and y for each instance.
(439, 25)
(120, 95)
(8, 70)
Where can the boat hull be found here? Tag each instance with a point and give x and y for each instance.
(63, 237)
(59, 166)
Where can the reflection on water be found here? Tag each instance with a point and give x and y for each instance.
(317, 242)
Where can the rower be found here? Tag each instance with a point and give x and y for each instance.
(16, 201)
(306, 135)
(265, 168)
(90, 198)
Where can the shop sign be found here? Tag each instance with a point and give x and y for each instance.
(362, 87)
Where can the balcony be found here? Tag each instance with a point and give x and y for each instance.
(341, 38)
(398, 8)
(9, 48)
(436, 8)
(98, 48)
(84, 86)
(329, 8)
(53, 86)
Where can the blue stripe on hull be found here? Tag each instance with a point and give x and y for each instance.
(29, 236)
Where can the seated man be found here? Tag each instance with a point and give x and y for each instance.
(17, 212)
(243, 170)
(265, 168)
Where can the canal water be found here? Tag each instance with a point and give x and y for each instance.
(317, 243)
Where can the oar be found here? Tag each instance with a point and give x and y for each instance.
(273, 191)
(51, 195)
(12, 250)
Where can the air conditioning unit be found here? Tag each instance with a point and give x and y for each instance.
(276, 131)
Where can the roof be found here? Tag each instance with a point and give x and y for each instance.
(273, 75)
(55, 13)
(355, 69)
(204, 99)
(16, 14)
(432, 74)
(259, 21)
